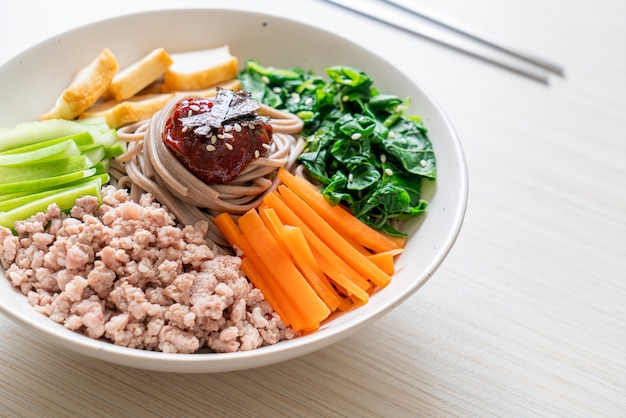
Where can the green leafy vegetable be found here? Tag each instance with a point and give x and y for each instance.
(361, 146)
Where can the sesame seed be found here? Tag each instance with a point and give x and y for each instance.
(423, 163)
(308, 101)
(210, 148)
(237, 127)
(383, 158)
(195, 108)
(228, 128)
(295, 97)
(229, 146)
(276, 89)
(392, 134)
(266, 146)
(190, 113)
(350, 177)
(256, 153)
(388, 172)
(251, 125)
(356, 136)
(213, 139)
(220, 136)
(228, 136)
(244, 124)
(185, 128)
(265, 79)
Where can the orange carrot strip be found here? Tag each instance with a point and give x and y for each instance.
(385, 260)
(256, 277)
(295, 244)
(340, 218)
(305, 260)
(263, 275)
(326, 257)
(333, 239)
(311, 310)
(353, 243)
(273, 228)
(229, 229)
(250, 263)
(400, 241)
(358, 295)
(346, 305)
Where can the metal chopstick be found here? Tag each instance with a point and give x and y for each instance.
(535, 74)
(456, 26)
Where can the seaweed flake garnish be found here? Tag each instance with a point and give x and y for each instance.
(227, 106)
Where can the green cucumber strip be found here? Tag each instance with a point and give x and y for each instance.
(64, 149)
(24, 199)
(44, 170)
(95, 153)
(11, 204)
(28, 133)
(9, 196)
(103, 134)
(103, 177)
(107, 137)
(64, 199)
(116, 149)
(103, 166)
(82, 139)
(46, 183)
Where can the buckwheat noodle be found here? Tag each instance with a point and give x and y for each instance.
(148, 166)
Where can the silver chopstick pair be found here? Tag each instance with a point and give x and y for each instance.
(535, 68)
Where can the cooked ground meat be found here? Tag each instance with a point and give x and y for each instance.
(125, 272)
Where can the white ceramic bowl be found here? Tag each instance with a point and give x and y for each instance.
(43, 71)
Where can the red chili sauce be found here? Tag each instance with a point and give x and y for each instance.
(221, 155)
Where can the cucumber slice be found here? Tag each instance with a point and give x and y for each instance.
(44, 169)
(61, 150)
(9, 196)
(103, 166)
(95, 153)
(11, 204)
(28, 133)
(45, 183)
(28, 197)
(107, 137)
(64, 199)
(116, 149)
(82, 139)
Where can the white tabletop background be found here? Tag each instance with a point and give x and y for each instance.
(527, 315)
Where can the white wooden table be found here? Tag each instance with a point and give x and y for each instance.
(527, 316)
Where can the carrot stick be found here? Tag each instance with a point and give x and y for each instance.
(256, 277)
(339, 217)
(305, 260)
(346, 304)
(251, 264)
(295, 245)
(357, 246)
(229, 229)
(358, 295)
(385, 260)
(326, 257)
(333, 239)
(274, 228)
(311, 310)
